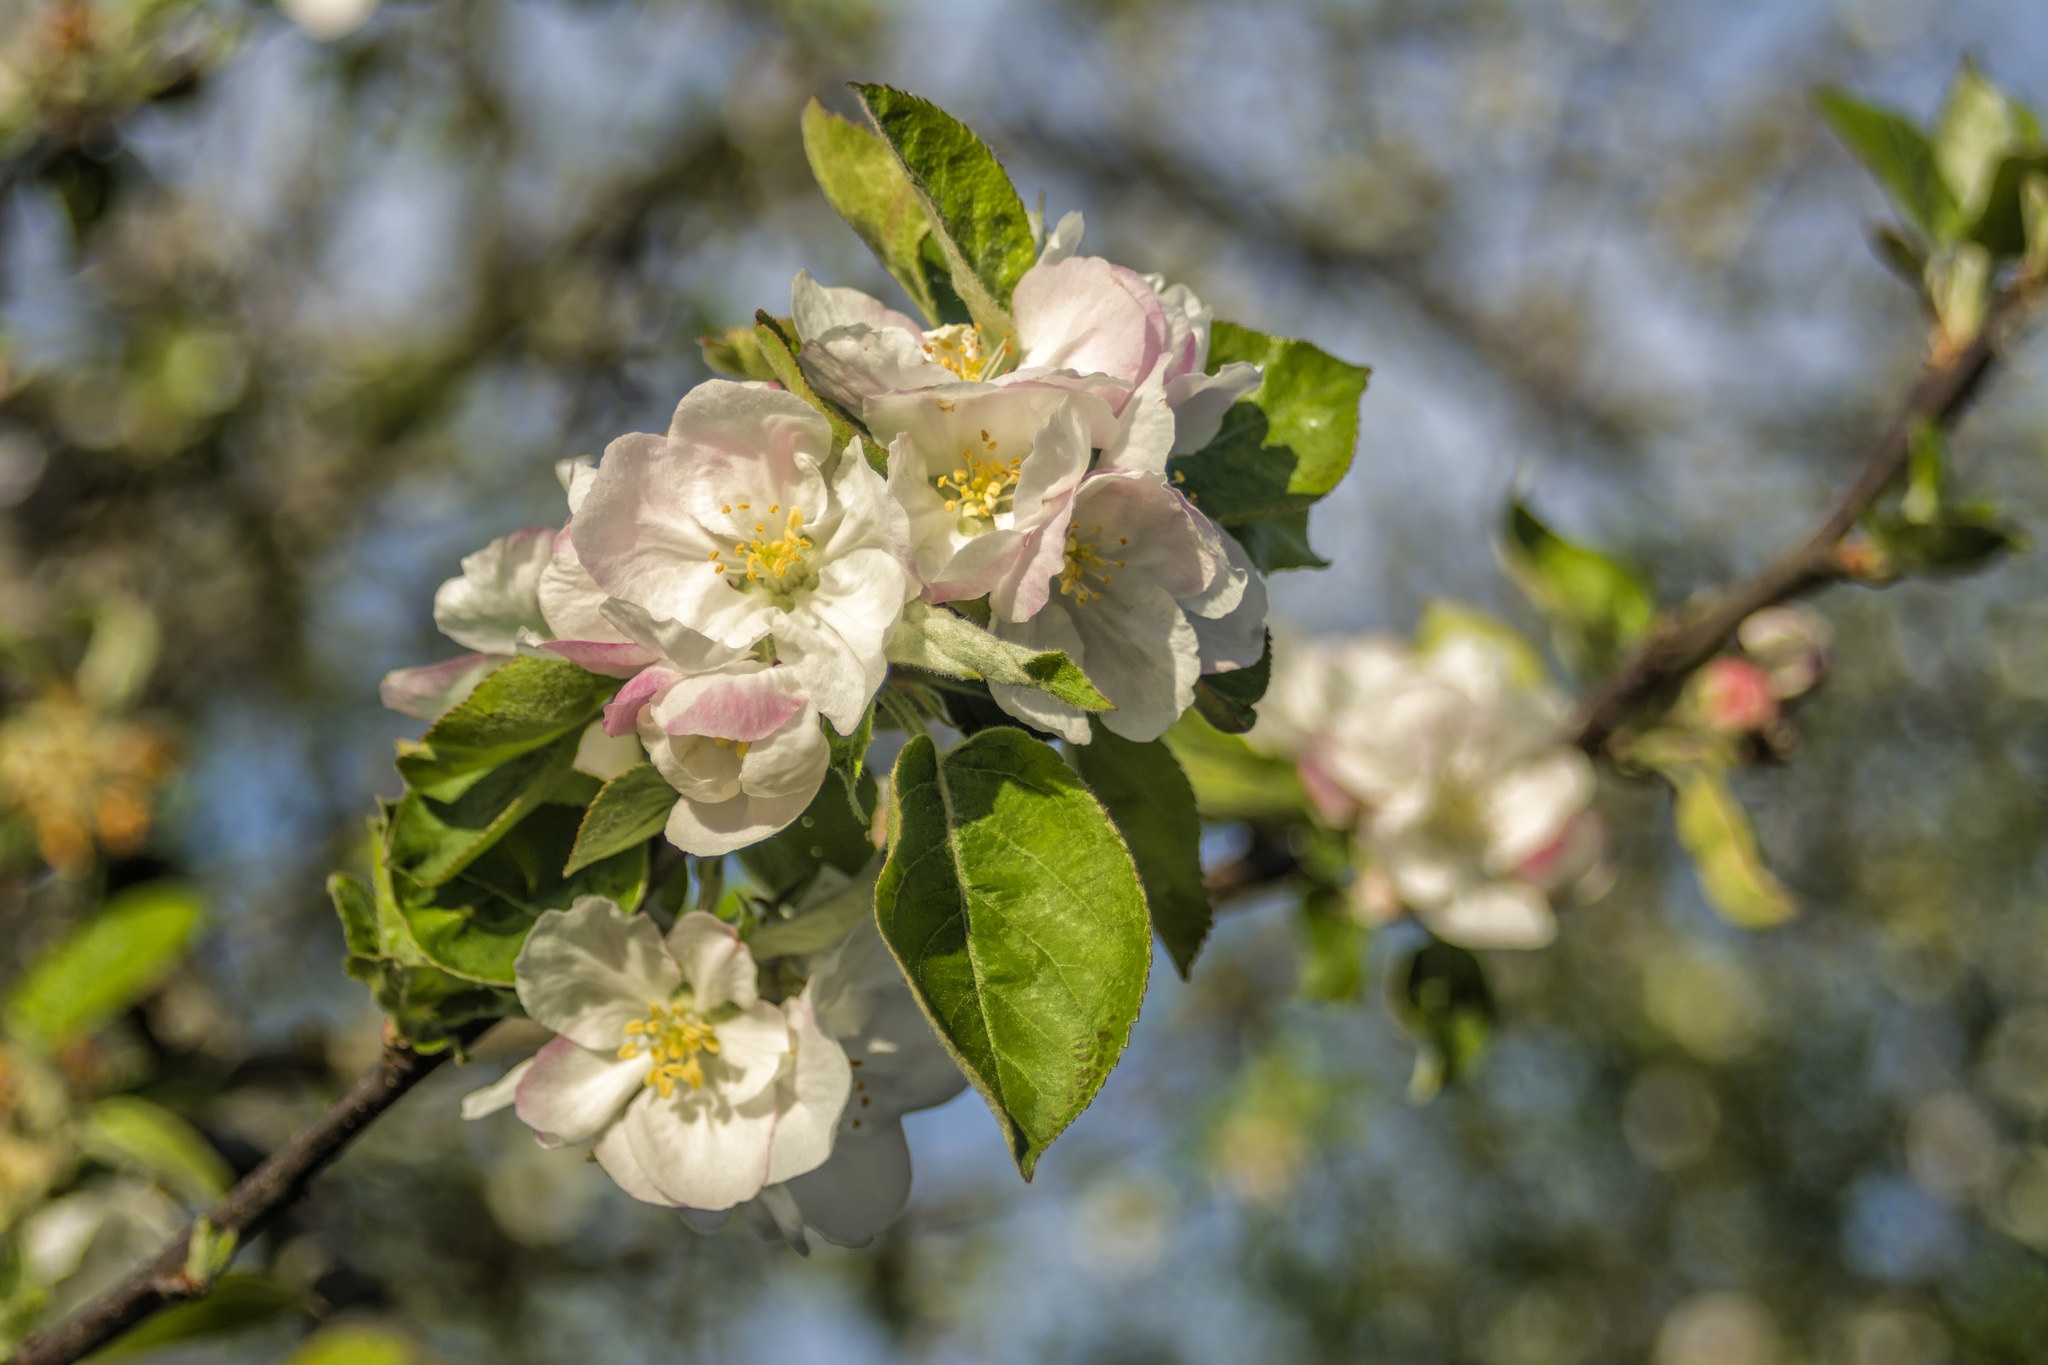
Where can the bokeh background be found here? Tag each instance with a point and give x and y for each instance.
(302, 303)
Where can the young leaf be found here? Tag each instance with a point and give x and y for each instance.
(1597, 605)
(1015, 912)
(778, 350)
(1980, 130)
(1954, 542)
(1227, 700)
(629, 810)
(1440, 997)
(863, 179)
(1898, 154)
(947, 643)
(105, 965)
(978, 220)
(850, 758)
(434, 840)
(1333, 948)
(232, 1303)
(520, 707)
(1276, 543)
(1153, 806)
(1716, 831)
(736, 353)
(127, 1130)
(1232, 780)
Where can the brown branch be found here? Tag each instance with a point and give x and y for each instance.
(246, 1210)
(1690, 635)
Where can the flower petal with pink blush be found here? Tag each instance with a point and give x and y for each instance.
(587, 971)
(817, 309)
(741, 706)
(715, 963)
(698, 1150)
(570, 1093)
(430, 691)
(622, 712)
(497, 1095)
(1090, 316)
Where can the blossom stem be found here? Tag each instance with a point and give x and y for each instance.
(246, 1210)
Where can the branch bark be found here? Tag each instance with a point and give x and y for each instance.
(244, 1212)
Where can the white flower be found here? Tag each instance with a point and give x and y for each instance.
(1790, 642)
(692, 1091)
(741, 525)
(486, 609)
(1148, 595)
(899, 1066)
(1453, 767)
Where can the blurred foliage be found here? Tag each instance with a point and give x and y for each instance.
(302, 301)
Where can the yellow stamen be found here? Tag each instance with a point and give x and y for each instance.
(673, 1036)
(983, 486)
(956, 348)
(771, 562)
(1083, 563)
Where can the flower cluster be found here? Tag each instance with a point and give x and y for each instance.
(1450, 765)
(744, 577)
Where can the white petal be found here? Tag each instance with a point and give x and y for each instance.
(569, 1093)
(752, 1049)
(1090, 316)
(1495, 915)
(1527, 808)
(699, 1152)
(1236, 638)
(615, 1154)
(1141, 653)
(817, 309)
(498, 593)
(588, 970)
(712, 829)
(715, 962)
(818, 1092)
(495, 1096)
(793, 759)
(861, 1190)
(1199, 402)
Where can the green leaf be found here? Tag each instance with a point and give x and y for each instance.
(1597, 606)
(828, 914)
(1232, 780)
(520, 707)
(1898, 154)
(629, 810)
(1439, 995)
(106, 965)
(1153, 806)
(1228, 700)
(778, 349)
(947, 643)
(1716, 831)
(209, 1251)
(977, 218)
(474, 924)
(128, 1131)
(1333, 948)
(1901, 255)
(357, 1344)
(1276, 543)
(863, 179)
(826, 835)
(434, 840)
(1978, 131)
(1956, 541)
(849, 761)
(736, 353)
(1015, 911)
(235, 1302)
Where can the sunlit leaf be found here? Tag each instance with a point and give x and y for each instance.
(1153, 807)
(106, 965)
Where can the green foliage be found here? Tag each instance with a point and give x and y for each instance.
(947, 643)
(1016, 914)
(1597, 606)
(357, 1344)
(778, 346)
(128, 1131)
(1439, 995)
(1333, 945)
(209, 1251)
(426, 1004)
(827, 834)
(1228, 700)
(235, 1302)
(1716, 831)
(1278, 451)
(522, 706)
(435, 840)
(1232, 780)
(736, 352)
(862, 178)
(106, 965)
(1957, 541)
(1153, 806)
(1898, 154)
(850, 758)
(978, 221)
(628, 811)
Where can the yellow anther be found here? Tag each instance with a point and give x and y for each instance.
(956, 349)
(983, 487)
(772, 561)
(1083, 563)
(673, 1037)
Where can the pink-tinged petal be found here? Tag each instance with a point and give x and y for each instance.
(1144, 435)
(861, 1190)
(430, 691)
(1026, 584)
(1335, 806)
(817, 309)
(793, 760)
(622, 712)
(752, 1048)
(615, 1154)
(818, 1090)
(712, 829)
(1087, 315)
(587, 971)
(610, 660)
(1141, 653)
(1199, 402)
(498, 593)
(715, 962)
(741, 706)
(571, 1092)
(854, 364)
(699, 1151)
(497, 1095)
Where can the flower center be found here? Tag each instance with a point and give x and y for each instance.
(1085, 563)
(673, 1035)
(956, 348)
(781, 565)
(982, 485)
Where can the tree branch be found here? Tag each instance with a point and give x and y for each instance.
(1691, 634)
(244, 1212)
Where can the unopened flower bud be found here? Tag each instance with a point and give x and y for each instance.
(1734, 695)
(1791, 644)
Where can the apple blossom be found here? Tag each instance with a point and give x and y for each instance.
(742, 525)
(692, 1090)
(1451, 766)
(1790, 642)
(487, 609)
